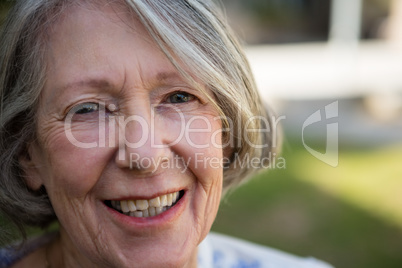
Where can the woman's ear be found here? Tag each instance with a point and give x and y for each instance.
(29, 165)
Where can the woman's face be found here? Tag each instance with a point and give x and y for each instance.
(118, 125)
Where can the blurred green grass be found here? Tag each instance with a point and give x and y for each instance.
(348, 216)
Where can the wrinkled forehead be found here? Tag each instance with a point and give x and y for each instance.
(79, 30)
(116, 11)
(103, 42)
(87, 39)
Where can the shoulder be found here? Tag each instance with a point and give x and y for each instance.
(6, 257)
(222, 251)
(20, 254)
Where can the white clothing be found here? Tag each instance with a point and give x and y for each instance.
(220, 251)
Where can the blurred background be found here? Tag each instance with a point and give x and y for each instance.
(339, 198)
(332, 72)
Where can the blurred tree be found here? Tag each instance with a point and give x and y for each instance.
(375, 14)
(283, 21)
(4, 7)
(279, 21)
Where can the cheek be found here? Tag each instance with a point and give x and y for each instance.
(87, 134)
(208, 170)
(74, 170)
(197, 129)
(203, 137)
(203, 132)
(204, 156)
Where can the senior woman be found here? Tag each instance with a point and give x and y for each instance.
(123, 121)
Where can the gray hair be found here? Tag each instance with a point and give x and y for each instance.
(192, 32)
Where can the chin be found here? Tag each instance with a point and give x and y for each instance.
(162, 256)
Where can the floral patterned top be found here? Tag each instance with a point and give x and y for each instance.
(219, 251)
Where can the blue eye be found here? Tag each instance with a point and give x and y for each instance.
(180, 97)
(86, 108)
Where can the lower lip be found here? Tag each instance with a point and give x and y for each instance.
(165, 218)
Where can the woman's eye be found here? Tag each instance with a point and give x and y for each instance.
(181, 97)
(86, 108)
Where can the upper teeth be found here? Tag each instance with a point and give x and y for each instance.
(146, 208)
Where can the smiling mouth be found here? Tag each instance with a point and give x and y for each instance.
(146, 208)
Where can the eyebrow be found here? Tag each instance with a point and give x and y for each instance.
(161, 77)
(91, 82)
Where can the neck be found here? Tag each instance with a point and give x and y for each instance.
(193, 263)
(53, 257)
(61, 253)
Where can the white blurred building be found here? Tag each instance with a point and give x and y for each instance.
(343, 67)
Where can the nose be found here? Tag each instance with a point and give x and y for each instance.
(142, 145)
